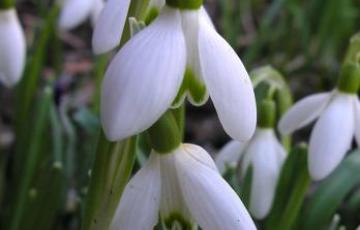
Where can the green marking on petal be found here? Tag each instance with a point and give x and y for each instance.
(193, 87)
(175, 221)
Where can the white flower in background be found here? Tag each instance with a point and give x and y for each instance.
(12, 48)
(186, 189)
(265, 155)
(332, 134)
(75, 12)
(146, 76)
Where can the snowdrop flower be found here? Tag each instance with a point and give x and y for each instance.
(75, 12)
(185, 187)
(338, 114)
(12, 47)
(178, 54)
(264, 154)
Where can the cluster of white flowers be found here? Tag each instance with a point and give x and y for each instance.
(178, 54)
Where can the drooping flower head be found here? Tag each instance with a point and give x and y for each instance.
(12, 47)
(75, 12)
(186, 189)
(339, 120)
(179, 54)
(264, 154)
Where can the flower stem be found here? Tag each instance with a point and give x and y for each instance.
(112, 169)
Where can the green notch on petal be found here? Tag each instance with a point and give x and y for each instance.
(176, 221)
(185, 4)
(193, 87)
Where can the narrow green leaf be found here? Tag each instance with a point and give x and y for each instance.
(331, 192)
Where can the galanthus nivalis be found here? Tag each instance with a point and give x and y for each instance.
(12, 47)
(178, 54)
(75, 12)
(333, 133)
(265, 155)
(339, 120)
(186, 189)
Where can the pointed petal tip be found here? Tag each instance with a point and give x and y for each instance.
(228, 82)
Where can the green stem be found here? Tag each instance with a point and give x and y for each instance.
(32, 158)
(100, 66)
(112, 169)
(6, 4)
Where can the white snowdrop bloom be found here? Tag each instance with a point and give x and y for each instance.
(332, 135)
(186, 189)
(265, 155)
(178, 54)
(75, 12)
(12, 48)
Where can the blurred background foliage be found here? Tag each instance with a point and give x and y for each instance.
(55, 108)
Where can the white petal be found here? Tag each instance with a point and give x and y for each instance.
(331, 136)
(109, 26)
(143, 78)
(357, 120)
(262, 154)
(74, 12)
(205, 15)
(172, 202)
(12, 48)
(229, 155)
(211, 201)
(139, 204)
(303, 112)
(228, 83)
(97, 7)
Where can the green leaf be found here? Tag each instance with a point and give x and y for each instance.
(290, 192)
(331, 192)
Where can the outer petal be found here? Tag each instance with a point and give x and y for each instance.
(74, 12)
(211, 201)
(229, 155)
(262, 155)
(12, 48)
(109, 26)
(172, 202)
(303, 112)
(143, 78)
(97, 7)
(357, 120)
(139, 204)
(331, 136)
(228, 83)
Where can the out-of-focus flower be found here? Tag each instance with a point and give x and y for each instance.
(185, 187)
(265, 155)
(12, 48)
(178, 54)
(75, 12)
(332, 135)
